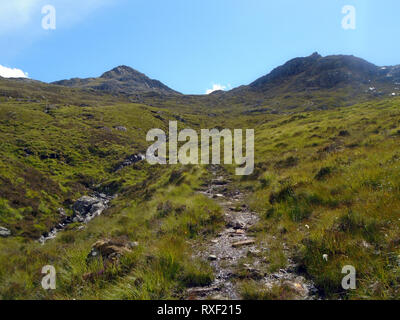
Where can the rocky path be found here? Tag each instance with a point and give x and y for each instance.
(236, 242)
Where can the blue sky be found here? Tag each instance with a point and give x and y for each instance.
(190, 45)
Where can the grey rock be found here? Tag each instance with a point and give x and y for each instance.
(4, 232)
(133, 244)
(62, 212)
(121, 128)
(85, 209)
(78, 218)
(97, 208)
(254, 251)
(130, 160)
(236, 224)
(84, 204)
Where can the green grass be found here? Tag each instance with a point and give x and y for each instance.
(326, 182)
(251, 290)
(160, 268)
(340, 197)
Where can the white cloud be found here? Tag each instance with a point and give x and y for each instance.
(12, 73)
(216, 87)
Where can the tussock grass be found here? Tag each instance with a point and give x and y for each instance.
(160, 268)
(340, 198)
(326, 182)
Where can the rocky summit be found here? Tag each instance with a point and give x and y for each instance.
(327, 72)
(120, 80)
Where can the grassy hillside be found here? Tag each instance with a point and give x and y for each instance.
(49, 155)
(326, 182)
(161, 216)
(53, 154)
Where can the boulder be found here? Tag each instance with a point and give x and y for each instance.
(4, 232)
(121, 128)
(84, 205)
(236, 224)
(111, 249)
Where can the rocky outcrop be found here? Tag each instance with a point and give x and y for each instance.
(128, 161)
(85, 209)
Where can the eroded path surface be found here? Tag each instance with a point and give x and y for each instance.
(235, 243)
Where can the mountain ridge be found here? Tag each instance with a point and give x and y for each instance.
(314, 71)
(326, 72)
(307, 83)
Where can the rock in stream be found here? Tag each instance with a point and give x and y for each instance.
(85, 209)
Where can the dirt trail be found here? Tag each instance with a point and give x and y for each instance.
(234, 243)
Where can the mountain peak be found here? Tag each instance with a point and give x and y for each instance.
(317, 71)
(121, 71)
(315, 55)
(120, 80)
